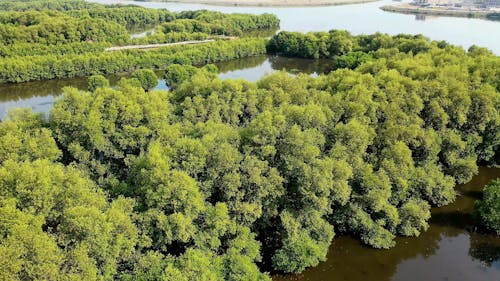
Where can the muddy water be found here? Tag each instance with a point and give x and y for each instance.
(453, 249)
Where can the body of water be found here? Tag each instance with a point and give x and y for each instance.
(40, 95)
(452, 249)
(364, 18)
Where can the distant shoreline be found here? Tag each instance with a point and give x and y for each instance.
(415, 10)
(268, 3)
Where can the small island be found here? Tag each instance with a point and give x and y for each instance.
(487, 9)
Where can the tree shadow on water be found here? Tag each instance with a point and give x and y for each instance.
(455, 219)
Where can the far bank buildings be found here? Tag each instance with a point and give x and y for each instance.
(478, 3)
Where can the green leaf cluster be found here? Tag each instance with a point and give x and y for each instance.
(213, 179)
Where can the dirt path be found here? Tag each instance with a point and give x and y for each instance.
(153, 46)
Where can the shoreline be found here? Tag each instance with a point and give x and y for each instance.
(414, 10)
(269, 3)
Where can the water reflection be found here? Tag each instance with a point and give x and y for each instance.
(40, 95)
(253, 68)
(142, 33)
(425, 17)
(314, 67)
(264, 33)
(240, 64)
(452, 249)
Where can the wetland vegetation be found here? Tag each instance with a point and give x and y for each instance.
(218, 179)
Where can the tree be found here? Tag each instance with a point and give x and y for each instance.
(97, 81)
(57, 216)
(103, 131)
(147, 78)
(25, 136)
(488, 209)
(306, 241)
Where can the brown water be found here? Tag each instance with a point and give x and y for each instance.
(452, 249)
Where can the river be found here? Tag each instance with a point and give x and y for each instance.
(364, 18)
(40, 95)
(451, 249)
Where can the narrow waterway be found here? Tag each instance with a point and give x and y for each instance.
(40, 95)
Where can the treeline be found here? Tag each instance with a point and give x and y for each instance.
(40, 5)
(340, 42)
(128, 16)
(158, 37)
(200, 25)
(74, 28)
(493, 16)
(488, 209)
(57, 28)
(349, 51)
(218, 23)
(101, 23)
(213, 178)
(27, 49)
(32, 68)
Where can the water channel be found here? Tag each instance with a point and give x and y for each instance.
(452, 249)
(40, 95)
(364, 18)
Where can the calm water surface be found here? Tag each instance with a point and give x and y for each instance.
(40, 95)
(451, 250)
(361, 19)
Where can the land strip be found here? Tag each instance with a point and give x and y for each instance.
(437, 11)
(154, 46)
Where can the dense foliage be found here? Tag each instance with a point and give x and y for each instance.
(32, 68)
(39, 5)
(337, 43)
(28, 49)
(488, 209)
(146, 77)
(493, 16)
(110, 24)
(57, 28)
(69, 38)
(129, 16)
(225, 179)
(96, 81)
(218, 23)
